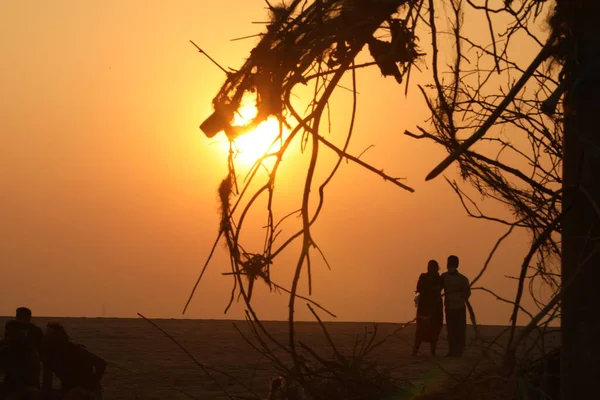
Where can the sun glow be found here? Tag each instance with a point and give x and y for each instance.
(253, 145)
(249, 147)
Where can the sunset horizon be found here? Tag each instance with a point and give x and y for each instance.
(124, 194)
(298, 199)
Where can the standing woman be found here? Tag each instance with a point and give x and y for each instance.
(430, 311)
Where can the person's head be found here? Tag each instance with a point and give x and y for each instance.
(452, 262)
(15, 331)
(433, 266)
(23, 314)
(55, 335)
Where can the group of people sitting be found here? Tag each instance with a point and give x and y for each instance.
(430, 307)
(28, 355)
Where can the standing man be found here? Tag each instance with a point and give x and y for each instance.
(456, 291)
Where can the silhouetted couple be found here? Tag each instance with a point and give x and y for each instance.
(430, 308)
(25, 349)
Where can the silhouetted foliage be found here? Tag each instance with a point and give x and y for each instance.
(494, 114)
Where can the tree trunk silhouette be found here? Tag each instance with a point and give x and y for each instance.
(580, 359)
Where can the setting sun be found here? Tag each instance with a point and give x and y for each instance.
(250, 146)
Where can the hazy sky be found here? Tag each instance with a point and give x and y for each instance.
(108, 189)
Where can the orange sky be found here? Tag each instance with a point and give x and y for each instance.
(108, 189)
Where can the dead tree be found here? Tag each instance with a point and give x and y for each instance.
(316, 43)
(574, 43)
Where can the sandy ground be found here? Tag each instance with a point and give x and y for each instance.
(145, 364)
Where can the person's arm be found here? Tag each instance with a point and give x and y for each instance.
(47, 380)
(439, 285)
(3, 358)
(420, 287)
(40, 339)
(467, 288)
(99, 365)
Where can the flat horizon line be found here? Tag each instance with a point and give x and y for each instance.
(241, 320)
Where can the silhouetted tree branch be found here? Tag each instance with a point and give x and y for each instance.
(494, 114)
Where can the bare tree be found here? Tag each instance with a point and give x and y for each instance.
(573, 42)
(509, 143)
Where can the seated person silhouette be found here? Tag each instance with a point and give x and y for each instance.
(78, 370)
(20, 363)
(35, 335)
